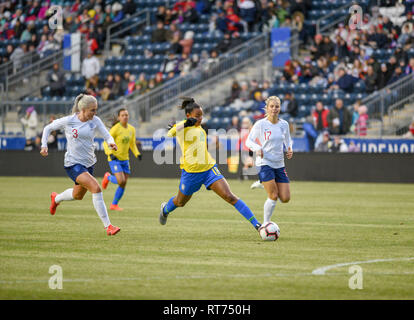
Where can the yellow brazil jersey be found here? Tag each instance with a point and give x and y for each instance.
(193, 143)
(125, 140)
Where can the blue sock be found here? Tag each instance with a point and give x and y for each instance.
(112, 178)
(247, 213)
(118, 195)
(170, 206)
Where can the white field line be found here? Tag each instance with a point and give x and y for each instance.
(322, 270)
(192, 277)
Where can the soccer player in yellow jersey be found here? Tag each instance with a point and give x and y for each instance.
(198, 167)
(124, 136)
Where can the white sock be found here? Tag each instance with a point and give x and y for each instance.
(66, 195)
(100, 207)
(269, 206)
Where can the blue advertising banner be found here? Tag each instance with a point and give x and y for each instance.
(299, 144)
(280, 43)
(383, 145)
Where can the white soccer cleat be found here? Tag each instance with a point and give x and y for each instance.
(256, 185)
(163, 217)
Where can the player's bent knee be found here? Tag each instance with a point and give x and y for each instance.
(284, 199)
(273, 196)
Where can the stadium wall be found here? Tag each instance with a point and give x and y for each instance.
(352, 167)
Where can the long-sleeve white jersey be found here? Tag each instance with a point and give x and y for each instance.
(80, 138)
(271, 137)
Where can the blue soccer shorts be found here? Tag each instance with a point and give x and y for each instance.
(267, 173)
(191, 182)
(120, 166)
(74, 171)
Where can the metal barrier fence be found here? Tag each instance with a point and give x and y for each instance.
(128, 25)
(383, 105)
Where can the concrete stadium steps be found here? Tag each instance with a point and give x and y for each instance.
(399, 119)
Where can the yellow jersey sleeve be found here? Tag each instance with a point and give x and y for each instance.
(112, 132)
(133, 144)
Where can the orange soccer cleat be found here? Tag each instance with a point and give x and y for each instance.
(115, 207)
(53, 204)
(105, 180)
(111, 230)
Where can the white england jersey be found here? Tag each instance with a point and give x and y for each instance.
(270, 138)
(80, 138)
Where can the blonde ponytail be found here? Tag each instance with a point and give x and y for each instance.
(83, 101)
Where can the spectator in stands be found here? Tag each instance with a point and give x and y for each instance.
(235, 40)
(410, 132)
(129, 8)
(170, 17)
(142, 82)
(341, 49)
(160, 14)
(320, 117)
(190, 13)
(131, 85)
(117, 88)
(317, 48)
(187, 42)
(106, 92)
(159, 34)
(175, 45)
(289, 105)
(17, 57)
(235, 91)
(339, 118)
(234, 124)
(30, 123)
(361, 126)
(57, 81)
(90, 70)
(213, 60)
(345, 81)
(220, 22)
(169, 64)
(117, 12)
(247, 10)
(338, 145)
(405, 34)
(224, 44)
(383, 76)
(184, 64)
(158, 80)
(397, 75)
(370, 80)
(325, 143)
(234, 23)
(410, 67)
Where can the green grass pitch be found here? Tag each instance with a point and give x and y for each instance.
(207, 250)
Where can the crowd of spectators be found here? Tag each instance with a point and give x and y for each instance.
(19, 20)
(337, 62)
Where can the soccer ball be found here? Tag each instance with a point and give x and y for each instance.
(269, 231)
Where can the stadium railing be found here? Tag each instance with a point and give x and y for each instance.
(116, 30)
(13, 81)
(383, 105)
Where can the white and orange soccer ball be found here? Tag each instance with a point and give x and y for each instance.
(269, 231)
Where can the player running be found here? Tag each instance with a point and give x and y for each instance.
(80, 128)
(272, 133)
(198, 167)
(124, 136)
